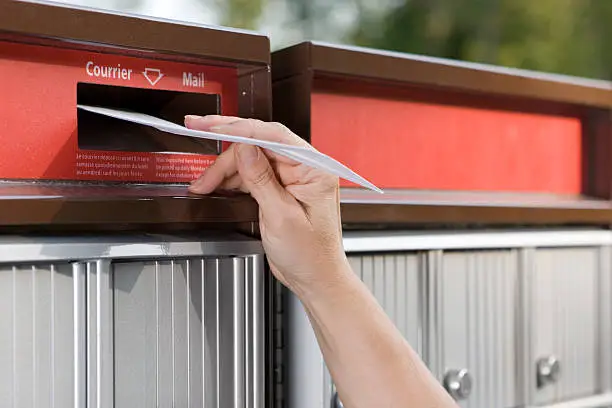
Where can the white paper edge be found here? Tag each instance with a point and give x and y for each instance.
(309, 157)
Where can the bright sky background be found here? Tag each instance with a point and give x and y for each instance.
(275, 21)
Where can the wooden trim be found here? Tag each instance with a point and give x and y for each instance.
(91, 206)
(40, 19)
(413, 208)
(436, 72)
(597, 154)
(291, 103)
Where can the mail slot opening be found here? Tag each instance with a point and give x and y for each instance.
(98, 132)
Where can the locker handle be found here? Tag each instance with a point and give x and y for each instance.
(458, 383)
(336, 403)
(548, 370)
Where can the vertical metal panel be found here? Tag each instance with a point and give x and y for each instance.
(394, 279)
(196, 392)
(38, 354)
(525, 340)
(254, 298)
(565, 307)
(604, 320)
(431, 310)
(307, 385)
(184, 330)
(477, 324)
(212, 333)
(99, 329)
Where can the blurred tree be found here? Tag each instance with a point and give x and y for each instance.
(241, 13)
(562, 36)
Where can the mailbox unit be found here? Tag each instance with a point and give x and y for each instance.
(490, 248)
(117, 287)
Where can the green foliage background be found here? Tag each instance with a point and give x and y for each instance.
(563, 36)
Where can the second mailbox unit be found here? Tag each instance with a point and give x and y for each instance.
(490, 249)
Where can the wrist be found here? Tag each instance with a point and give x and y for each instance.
(330, 282)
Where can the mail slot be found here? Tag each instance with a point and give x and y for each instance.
(83, 57)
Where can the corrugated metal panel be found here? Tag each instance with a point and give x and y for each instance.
(476, 319)
(180, 333)
(565, 313)
(37, 336)
(394, 279)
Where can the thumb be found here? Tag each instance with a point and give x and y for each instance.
(258, 176)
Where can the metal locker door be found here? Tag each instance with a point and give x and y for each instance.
(142, 321)
(565, 302)
(184, 333)
(41, 359)
(473, 311)
(396, 281)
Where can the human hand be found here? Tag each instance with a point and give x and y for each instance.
(299, 209)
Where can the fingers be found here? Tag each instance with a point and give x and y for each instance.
(260, 180)
(251, 128)
(234, 183)
(222, 169)
(206, 122)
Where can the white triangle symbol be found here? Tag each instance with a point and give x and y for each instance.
(153, 79)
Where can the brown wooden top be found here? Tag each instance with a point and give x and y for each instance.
(344, 61)
(409, 207)
(66, 205)
(42, 19)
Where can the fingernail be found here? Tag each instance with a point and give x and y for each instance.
(198, 186)
(248, 154)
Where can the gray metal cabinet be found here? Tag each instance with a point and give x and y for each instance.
(38, 334)
(484, 310)
(134, 322)
(396, 281)
(473, 326)
(567, 285)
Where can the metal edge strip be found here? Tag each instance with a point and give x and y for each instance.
(389, 241)
(598, 401)
(46, 250)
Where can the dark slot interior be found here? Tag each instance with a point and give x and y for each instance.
(98, 132)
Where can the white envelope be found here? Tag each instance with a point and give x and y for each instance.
(310, 157)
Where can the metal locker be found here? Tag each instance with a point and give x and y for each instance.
(395, 279)
(180, 333)
(132, 322)
(473, 321)
(566, 358)
(40, 305)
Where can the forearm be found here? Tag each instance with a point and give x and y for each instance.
(371, 363)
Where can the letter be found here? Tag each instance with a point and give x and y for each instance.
(96, 70)
(129, 74)
(104, 71)
(88, 68)
(124, 74)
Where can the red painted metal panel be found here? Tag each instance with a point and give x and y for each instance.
(38, 114)
(405, 144)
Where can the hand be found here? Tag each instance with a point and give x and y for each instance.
(299, 210)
